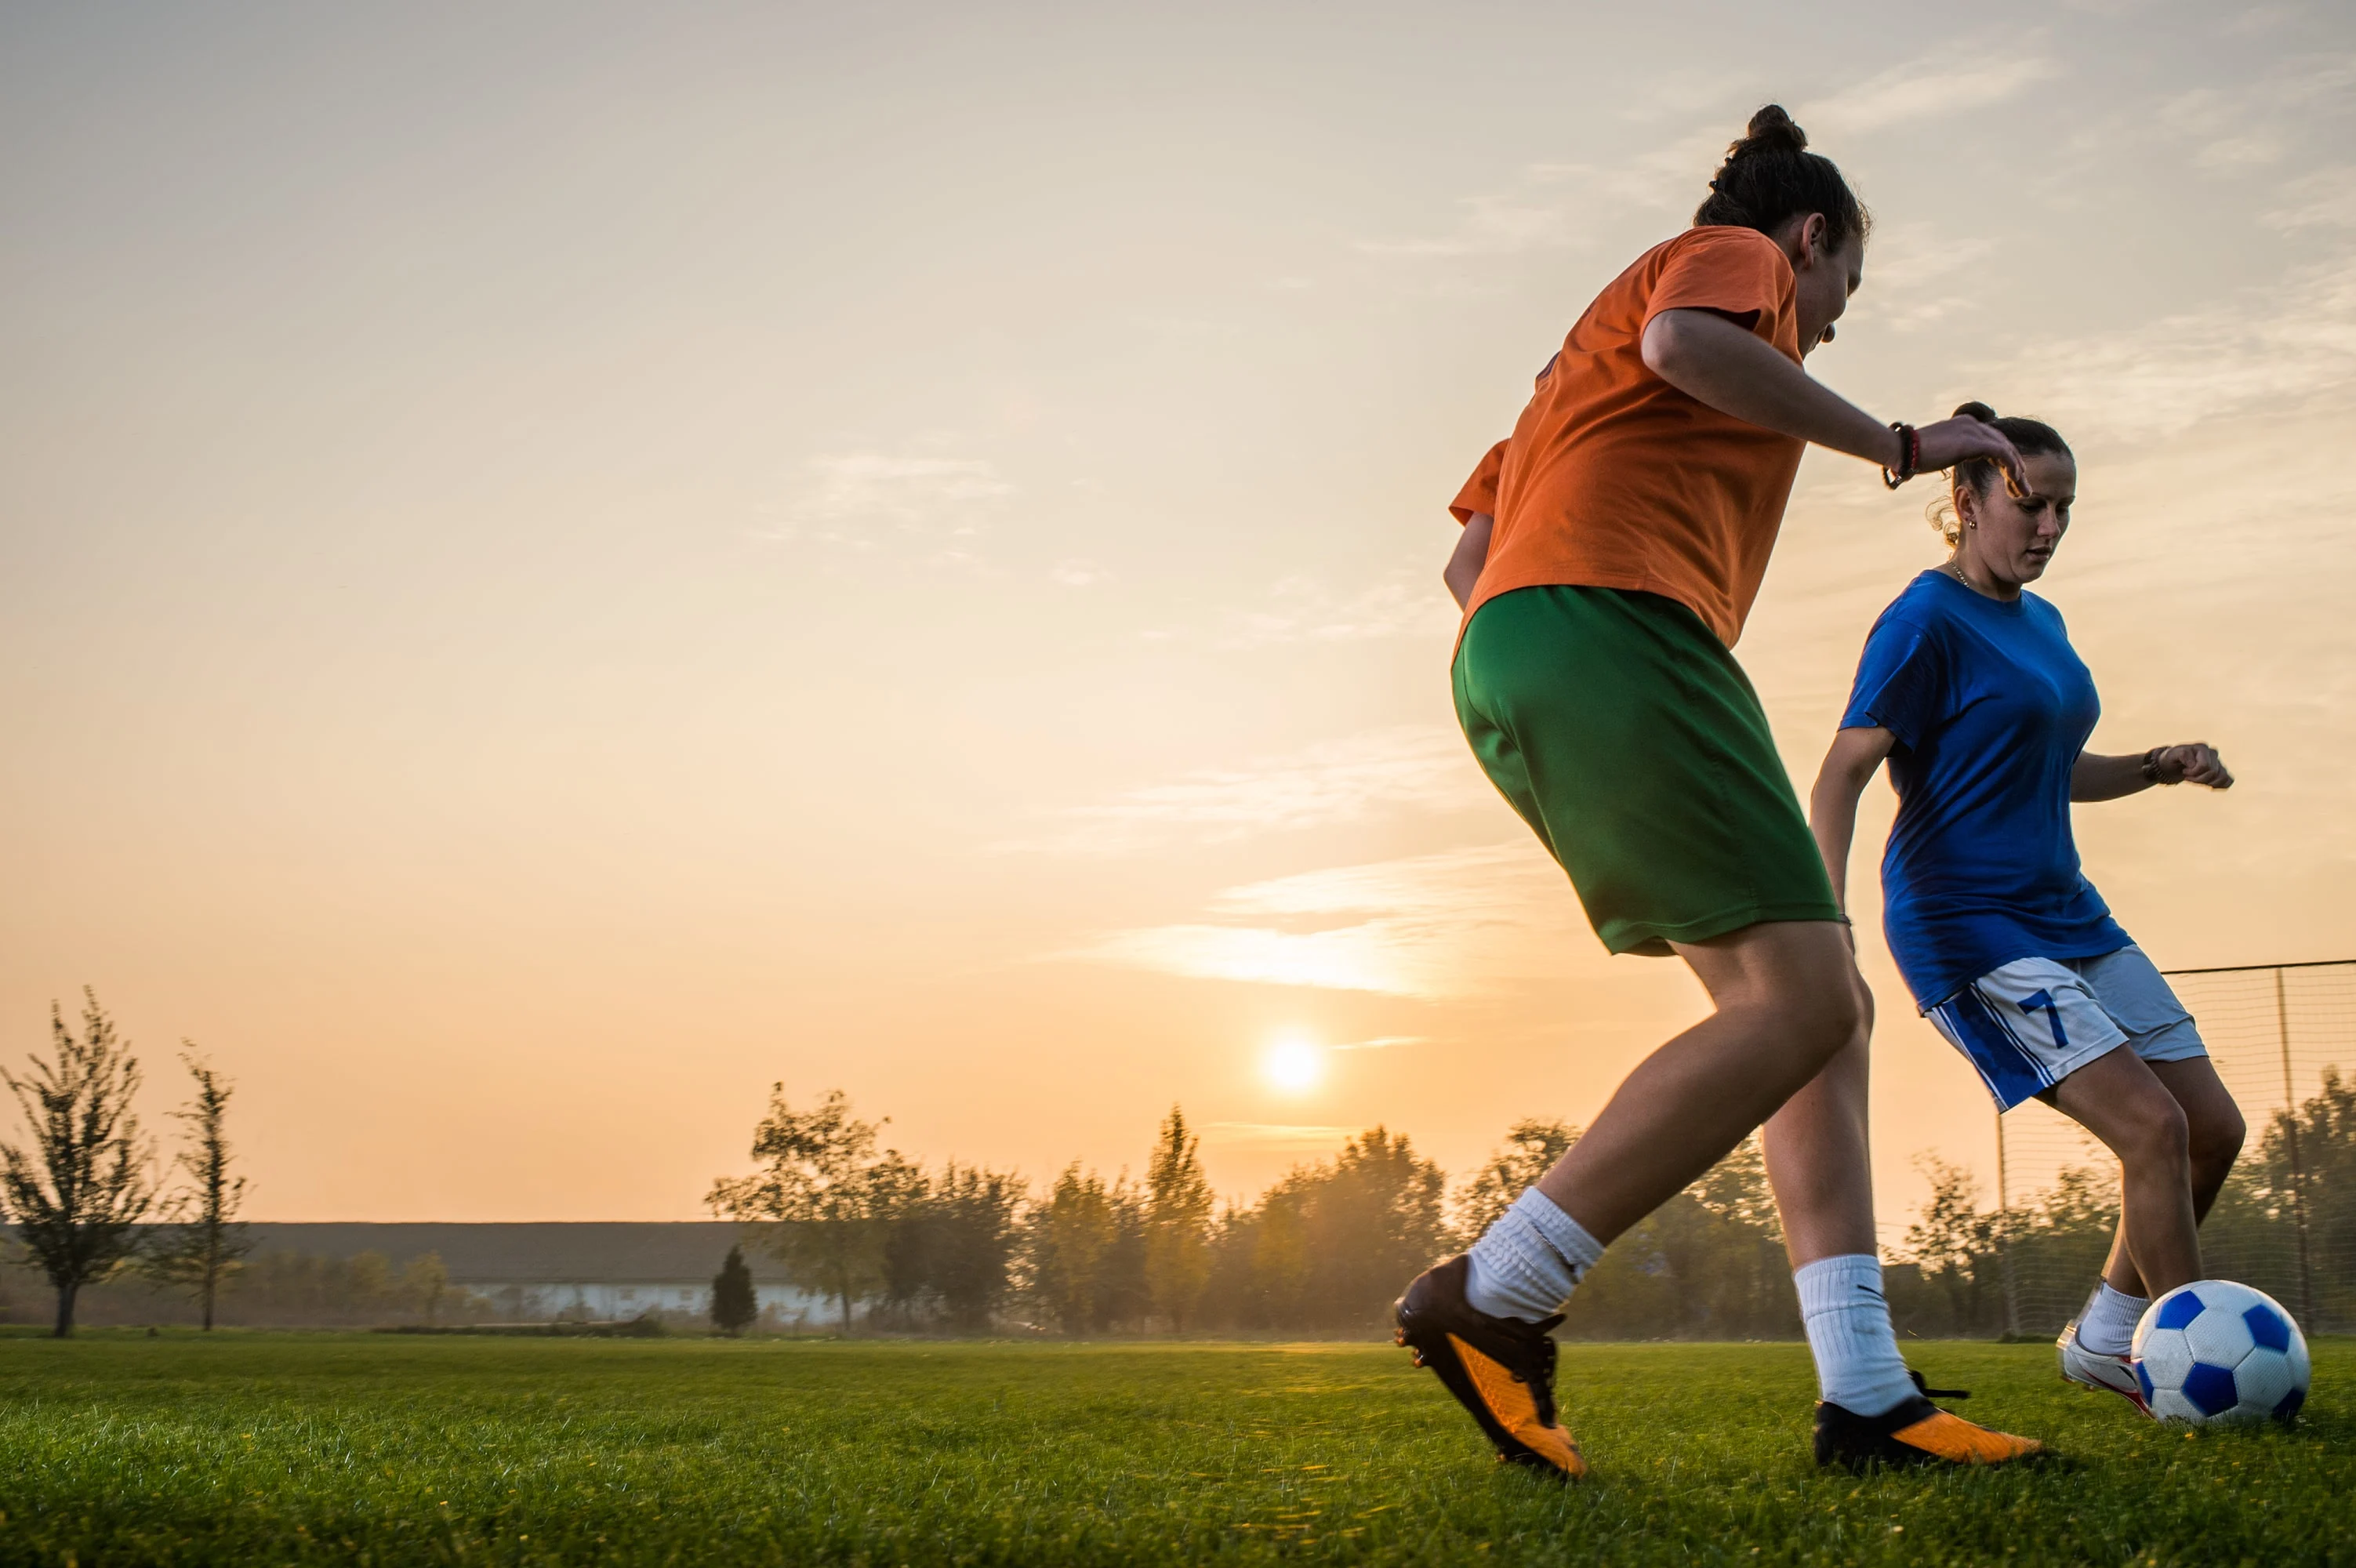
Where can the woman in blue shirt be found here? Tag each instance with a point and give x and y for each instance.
(1969, 689)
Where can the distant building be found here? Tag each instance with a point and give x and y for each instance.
(538, 1272)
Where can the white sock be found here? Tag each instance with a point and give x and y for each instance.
(1527, 1264)
(2108, 1326)
(1857, 1364)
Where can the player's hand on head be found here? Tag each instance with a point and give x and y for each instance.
(1953, 441)
(2197, 763)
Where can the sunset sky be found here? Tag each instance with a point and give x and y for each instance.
(560, 564)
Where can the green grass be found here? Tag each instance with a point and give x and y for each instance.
(254, 1448)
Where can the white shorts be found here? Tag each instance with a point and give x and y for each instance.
(2029, 1023)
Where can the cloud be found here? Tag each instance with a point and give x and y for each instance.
(2260, 122)
(1302, 609)
(1906, 261)
(1078, 575)
(2323, 200)
(2273, 347)
(1413, 767)
(1929, 88)
(1912, 255)
(871, 500)
(1429, 926)
(1500, 223)
(1380, 1043)
(1556, 206)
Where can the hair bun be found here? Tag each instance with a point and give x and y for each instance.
(1771, 131)
(1978, 411)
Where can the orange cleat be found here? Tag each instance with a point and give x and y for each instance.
(1501, 1369)
(1916, 1432)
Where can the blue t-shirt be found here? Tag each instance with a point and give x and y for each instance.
(1991, 707)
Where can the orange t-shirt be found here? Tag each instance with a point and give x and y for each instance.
(1616, 479)
(1479, 491)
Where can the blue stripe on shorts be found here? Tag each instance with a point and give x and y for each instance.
(2010, 1070)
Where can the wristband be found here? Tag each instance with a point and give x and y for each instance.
(2151, 767)
(1910, 459)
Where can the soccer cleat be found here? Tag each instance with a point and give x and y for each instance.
(1916, 1432)
(2092, 1368)
(1501, 1369)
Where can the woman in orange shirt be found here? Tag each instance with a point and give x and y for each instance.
(1636, 505)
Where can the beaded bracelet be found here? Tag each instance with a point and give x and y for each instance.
(1911, 443)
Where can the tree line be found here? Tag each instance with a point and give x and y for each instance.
(2050, 1248)
(887, 1244)
(890, 1245)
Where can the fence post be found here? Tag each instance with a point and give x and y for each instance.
(2004, 1237)
(2297, 1164)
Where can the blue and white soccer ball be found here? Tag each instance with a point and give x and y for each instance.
(2213, 1351)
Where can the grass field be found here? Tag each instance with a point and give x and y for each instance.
(255, 1448)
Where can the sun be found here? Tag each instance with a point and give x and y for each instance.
(1294, 1066)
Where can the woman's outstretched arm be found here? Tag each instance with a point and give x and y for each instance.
(1831, 806)
(1736, 371)
(2098, 777)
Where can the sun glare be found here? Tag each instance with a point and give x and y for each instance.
(1294, 1066)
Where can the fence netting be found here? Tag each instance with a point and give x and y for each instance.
(2284, 1041)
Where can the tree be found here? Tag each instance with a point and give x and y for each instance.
(1375, 1221)
(1955, 1244)
(1178, 1223)
(900, 1201)
(79, 1190)
(734, 1303)
(971, 1222)
(205, 1243)
(425, 1280)
(1072, 1235)
(1532, 1147)
(817, 1195)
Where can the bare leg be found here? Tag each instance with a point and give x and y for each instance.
(2117, 1098)
(1818, 1160)
(1788, 1002)
(2214, 1131)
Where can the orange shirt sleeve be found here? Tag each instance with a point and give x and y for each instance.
(1479, 491)
(1737, 271)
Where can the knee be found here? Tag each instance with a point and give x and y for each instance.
(1829, 1011)
(2215, 1143)
(2161, 1140)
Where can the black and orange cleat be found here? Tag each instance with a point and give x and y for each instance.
(1501, 1369)
(1916, 1432)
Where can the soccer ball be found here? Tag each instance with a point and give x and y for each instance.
(2213, 1351)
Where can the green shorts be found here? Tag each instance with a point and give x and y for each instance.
(1625, 733)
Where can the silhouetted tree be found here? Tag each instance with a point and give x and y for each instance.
(1072, 1237)
(900, 1200)
(1331, 1243)
(1955, 1245)
(1178, 1223)
(821, 1197)
(972, 1222)
(80, 1188)
(1532, 1147)
(734, 1303)
(206, 1242)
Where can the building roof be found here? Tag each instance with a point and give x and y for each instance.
(553, 1253)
